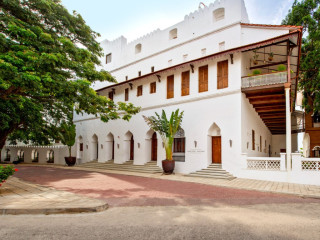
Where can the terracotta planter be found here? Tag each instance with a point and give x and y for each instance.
(270, 58)
(168, 166)
(255, 62)
(70, 161)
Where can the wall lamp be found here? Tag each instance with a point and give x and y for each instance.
(159, 78)
(113, 90)
(130, 84)
(192, 68)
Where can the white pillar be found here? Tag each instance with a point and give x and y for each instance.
(288, 126)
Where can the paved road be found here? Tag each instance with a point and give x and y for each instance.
(144, 208)
(121, 190)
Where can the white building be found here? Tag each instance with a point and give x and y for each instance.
(239, 105)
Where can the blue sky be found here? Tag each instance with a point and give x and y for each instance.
(133, 19)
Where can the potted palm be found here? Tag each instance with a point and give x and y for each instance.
(67, 136)
(167, 128)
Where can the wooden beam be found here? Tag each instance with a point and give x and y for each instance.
(266, 96)
(267, 101)
(268, 65)
(270, 110)
(262, 88)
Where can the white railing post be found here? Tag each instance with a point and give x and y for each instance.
(243, 161)
(283, 161)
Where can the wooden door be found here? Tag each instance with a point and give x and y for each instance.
(113, 149)
(131, 148)
(216, 149)
(154, 147)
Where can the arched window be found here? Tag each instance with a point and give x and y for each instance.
(179, 146)
(218, 14)
(8, 155)
(35, 156)
(138, 48)
(173, 34)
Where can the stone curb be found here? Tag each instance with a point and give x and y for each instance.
(48, 211)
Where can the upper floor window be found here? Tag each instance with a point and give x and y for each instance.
(152, 69)
(203, 52)
(153, 87)
(218, 14)
(185, 83)
(139, 73)
(170, 86)
(139, 90)
(316, 119)
(222, 46)
(138, 48)
(108, 58)
(126, 94)
(173, 34)
(126, 78)
(203, 78)
(110, 95)
(222, 74)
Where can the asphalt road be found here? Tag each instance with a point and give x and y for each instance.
(271, 221)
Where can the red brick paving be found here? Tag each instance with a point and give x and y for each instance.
(122, 190)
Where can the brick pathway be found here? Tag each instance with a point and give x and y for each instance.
(125, 190)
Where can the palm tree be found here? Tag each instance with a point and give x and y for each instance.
(67, 136)
(166, 128)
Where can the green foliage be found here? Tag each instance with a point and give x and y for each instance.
(167, 128)
(48, 60)
(5, 172)
(306, 13)
(270, 54)
(281, 68)
(256, 72)
(67, 135)
(255, 56)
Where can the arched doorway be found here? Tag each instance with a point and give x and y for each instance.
(20, 155)
(35, 156)
(94, 148)
(50, 156)
(80, 147)
(128, 149)
(154, 147)
(214, 139)
(8, 155)
(110, 146)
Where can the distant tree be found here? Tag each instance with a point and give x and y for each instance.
(48, 60)
(306, 13)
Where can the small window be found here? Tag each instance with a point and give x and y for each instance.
(203, 52)
(126, 94)
(81, 147)
(316, 120)
(110, 95)
(170, 86)
(253, 140)
(108, 58)
(139, 90)
(139, 73)
(126, 78)
(170, 62)
(153, 87)
(138, 48)
(203, 79)
(185, 83)
(173, 34)
(222, 74)
(222, 46)
(152, 69)
(218, 14)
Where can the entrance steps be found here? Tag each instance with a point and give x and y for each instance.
(212, 171)
(149, 167)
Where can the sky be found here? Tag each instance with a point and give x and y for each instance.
(135, 18)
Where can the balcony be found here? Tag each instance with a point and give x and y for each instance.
(264, 79)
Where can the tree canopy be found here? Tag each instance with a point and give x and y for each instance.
(48, 60)
(306, 13)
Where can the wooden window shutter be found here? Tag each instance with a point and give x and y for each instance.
(170, 86)
(110, 95)
(139, 90)
(253, 140)
(185, 83)
(203, 78)
(153, 87)
(222, 74)
(126, 94)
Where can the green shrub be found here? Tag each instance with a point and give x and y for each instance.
(282, 67)
(256, 72)
(5, 172)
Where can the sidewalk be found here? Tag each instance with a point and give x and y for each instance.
(19, 197)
